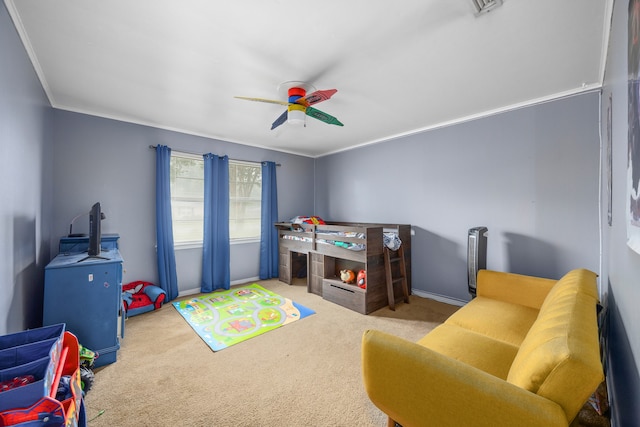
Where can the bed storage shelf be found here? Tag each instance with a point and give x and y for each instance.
(329, 248)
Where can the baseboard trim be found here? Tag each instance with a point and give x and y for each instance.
(438, 297)
(188, 292)
(417, 292)
(193, 291)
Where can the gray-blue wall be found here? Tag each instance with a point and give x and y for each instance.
(108, 161)
(512, 172)
(621, 266)
(529, 175)
(25, 189)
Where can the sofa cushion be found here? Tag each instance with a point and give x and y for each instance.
(496, 319)
(576, 281)
(514, 288)
(489, 355)
(559, 358)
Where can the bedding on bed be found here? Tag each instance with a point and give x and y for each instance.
(390, 239)
(297, 238)
(346, 245)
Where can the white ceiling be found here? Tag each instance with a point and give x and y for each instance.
(400, 67)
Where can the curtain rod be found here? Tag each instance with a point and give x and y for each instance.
(200, 154)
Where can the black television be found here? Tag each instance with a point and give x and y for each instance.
(95, 231)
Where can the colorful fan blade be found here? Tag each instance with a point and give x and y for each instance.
(322, 116)
(280, 120)
(315, 97)
(268, 101)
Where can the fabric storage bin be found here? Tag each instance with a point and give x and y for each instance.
(32, 352)
(32, 335)
(45, 410)
(26, 353)
(26, 395)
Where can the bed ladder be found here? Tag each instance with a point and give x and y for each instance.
(390, 258)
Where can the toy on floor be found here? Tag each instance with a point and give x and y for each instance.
(87, 377)
(140, 297)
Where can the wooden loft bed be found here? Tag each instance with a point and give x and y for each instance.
(328, 248)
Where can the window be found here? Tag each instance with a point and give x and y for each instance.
(245, 196)
(187, 198)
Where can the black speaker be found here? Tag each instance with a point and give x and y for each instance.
(476, 255)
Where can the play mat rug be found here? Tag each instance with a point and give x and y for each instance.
(225, 318)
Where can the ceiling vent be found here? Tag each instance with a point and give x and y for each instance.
(484, 6)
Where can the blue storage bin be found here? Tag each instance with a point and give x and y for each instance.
(32, 335)
(21, 354)
(26, 395)
(32, 352)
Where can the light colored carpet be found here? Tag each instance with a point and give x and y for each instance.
(306, 374)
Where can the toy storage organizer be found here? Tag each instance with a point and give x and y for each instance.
(48, 354)
(335, 246)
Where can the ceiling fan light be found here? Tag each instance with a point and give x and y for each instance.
(296, 114)
(296, 117)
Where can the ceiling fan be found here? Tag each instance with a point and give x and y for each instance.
(299, 104)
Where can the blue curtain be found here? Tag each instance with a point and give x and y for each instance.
(164, 227)
(215, 250)
(268, 233)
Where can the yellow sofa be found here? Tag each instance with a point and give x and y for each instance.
(524, 352)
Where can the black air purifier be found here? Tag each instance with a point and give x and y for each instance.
(476, 255)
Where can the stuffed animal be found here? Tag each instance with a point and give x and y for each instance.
(361, 280)
(347, 276)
